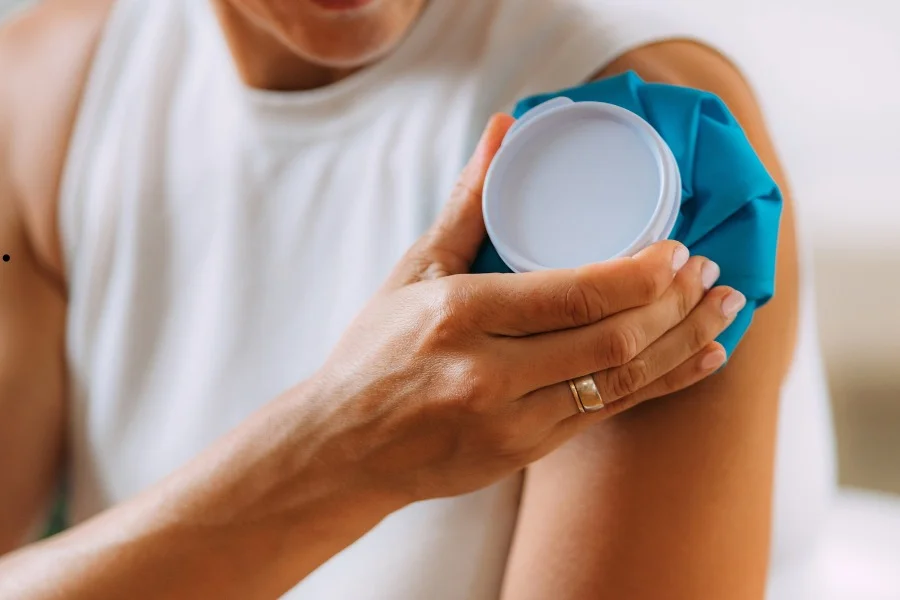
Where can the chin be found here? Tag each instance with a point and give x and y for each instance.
(343, 45)
(338, 38)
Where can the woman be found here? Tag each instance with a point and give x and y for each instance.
(200, 195)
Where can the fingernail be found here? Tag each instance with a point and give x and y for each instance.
(713, 360)
(680, 258)
(709, 274)
(733, 303)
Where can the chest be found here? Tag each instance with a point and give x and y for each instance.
(217, 264)
(219, 248)
(317, 219)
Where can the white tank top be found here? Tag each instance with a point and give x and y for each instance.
(218, 240)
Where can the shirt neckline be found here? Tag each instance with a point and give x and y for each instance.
(416, 39)
(287, 105)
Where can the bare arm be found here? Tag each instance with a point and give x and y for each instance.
(671, 499)
(32, 309)
(378, 427)
(31, 377)
(44, 56)
(245, 530)
(417, 401)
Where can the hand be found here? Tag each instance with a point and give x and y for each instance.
(448, 382)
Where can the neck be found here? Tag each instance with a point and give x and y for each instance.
(263, 61)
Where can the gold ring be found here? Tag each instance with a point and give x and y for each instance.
(576, 396)
(586, 394)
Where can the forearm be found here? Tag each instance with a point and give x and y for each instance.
(249, 518)
(672, 498)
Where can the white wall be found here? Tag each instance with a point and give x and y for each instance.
(8, 5)
(829, 75)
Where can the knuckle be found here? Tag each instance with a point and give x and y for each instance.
(629, 378)
(448, 293)
(684, 302)
(576, 305)
(415, 266)
(442, 290)
(617, 348)
(583, 302)
(507, 443)
(426, 260)
(449, 309)
(481, 386)
(651, 282)
(440, 336)
(672, 382)
(698, 335)
(462, 189)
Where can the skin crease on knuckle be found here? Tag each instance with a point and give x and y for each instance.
(462, 190)
(713, 321)
(652, 281)
(482, 388)
(474, 384)
(629, 378)
(617, 346)
(688, 294)
(702, 332)
(655, 278)
(438, 263)
(449, 326)
(582, 303)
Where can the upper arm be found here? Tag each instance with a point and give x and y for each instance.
(769, 345)
(31, 376)
(672, 499)
(43, 58)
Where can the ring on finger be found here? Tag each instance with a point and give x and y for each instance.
(587, 396)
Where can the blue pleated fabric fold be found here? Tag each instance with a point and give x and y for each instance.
(731, 206)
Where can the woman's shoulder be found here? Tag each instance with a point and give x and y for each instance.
(45, 56)
(535, 46)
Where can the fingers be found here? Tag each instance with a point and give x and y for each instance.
(556, 403)
(705, 323)
(530, 303)
(553, 411)
(680, 358)
(695, 369)
(450, 246)
(617, 340)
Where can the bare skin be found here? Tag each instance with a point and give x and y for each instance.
(40, 96)
(681, 507)
(200, 532)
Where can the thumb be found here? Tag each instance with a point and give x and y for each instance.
(450, 246)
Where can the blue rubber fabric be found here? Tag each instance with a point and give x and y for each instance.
(731, 206)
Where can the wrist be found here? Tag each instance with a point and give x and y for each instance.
(265, 502)
(321, 493)
(303, 450)
(326, 458)
(272, 496)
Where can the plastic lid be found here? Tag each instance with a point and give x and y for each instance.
(576, 183)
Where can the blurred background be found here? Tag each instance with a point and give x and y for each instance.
(828, 76)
